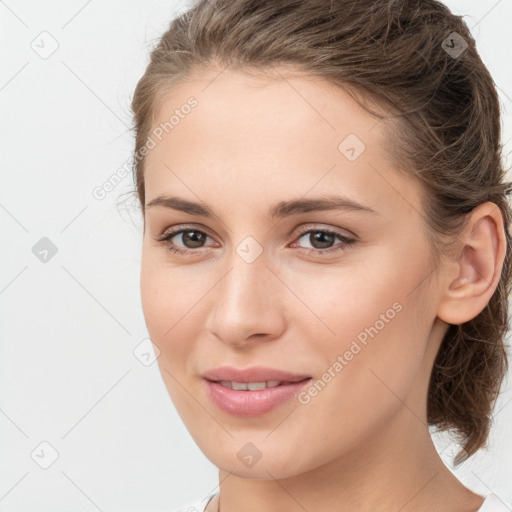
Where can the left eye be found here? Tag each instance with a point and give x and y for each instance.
(321, 238)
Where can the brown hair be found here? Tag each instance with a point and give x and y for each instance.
(446, 131)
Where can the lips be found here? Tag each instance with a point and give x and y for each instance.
(243, 403)
(252, 374)
(247, 393)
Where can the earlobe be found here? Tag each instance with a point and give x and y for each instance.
(477, 268)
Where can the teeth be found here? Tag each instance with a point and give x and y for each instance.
(250, 386)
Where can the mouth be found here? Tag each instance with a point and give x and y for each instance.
(256, 386)
(252, 399)
(253, 375)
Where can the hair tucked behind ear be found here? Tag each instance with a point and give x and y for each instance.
(444, 128)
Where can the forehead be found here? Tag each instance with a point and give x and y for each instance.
(305, 106)
(262, 135)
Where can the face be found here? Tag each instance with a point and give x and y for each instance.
(340, 295)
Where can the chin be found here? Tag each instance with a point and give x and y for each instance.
(258, 459)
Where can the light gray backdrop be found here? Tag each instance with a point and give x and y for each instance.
(85, 425)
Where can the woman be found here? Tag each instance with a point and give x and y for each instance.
(326, 255)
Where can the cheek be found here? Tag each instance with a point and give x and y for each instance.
(153, 299)
(175, 303)
(165, 306)
(343, 303)
(378, 333)
(167, 303)
(167, 293)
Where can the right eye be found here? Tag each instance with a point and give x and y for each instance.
(189, 236)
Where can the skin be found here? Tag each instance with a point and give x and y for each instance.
(362, 443)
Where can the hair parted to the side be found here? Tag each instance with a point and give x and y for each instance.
(444, 128)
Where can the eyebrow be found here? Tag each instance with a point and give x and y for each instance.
(278, 210)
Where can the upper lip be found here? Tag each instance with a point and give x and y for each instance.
(252, 374)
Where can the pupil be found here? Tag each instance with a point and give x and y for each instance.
(318, 236)
(193, 237)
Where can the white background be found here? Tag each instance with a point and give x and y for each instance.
(68, 327)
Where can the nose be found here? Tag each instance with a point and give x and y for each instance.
(246, 304)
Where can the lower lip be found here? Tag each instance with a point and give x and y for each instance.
(252, 403)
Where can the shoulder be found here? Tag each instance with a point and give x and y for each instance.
(196, 506)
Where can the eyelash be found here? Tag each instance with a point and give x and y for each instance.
(174, 249)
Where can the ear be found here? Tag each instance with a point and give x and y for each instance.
(471, 277)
